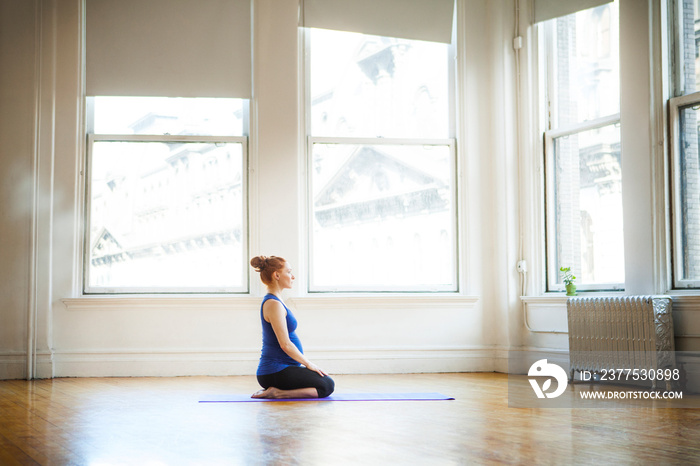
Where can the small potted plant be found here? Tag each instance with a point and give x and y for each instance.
(568, 279)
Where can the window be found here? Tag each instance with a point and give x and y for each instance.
(583, 194)
(685, 156)
(166, 195)
(381, 164)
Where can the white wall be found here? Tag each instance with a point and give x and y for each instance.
(499, 163)
(221, 335)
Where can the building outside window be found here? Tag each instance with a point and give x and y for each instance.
(685, 131)
(583, 181)
(381, 163)
(166, 195)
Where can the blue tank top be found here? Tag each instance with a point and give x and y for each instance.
(273, 358)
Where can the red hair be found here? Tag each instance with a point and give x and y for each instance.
(266, 266)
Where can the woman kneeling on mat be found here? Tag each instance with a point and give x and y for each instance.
(280, 371)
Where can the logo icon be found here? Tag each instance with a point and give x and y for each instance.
(542, 368)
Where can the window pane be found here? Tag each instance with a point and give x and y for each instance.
(166, 215)
(370, 86)
(383, 215)
(586, 64)
(166, 115)
(688, 177)
(588, 203)
(687, 38)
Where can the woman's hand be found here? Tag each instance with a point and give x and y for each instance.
(315, 368)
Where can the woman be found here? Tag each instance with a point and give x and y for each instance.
(280, 371)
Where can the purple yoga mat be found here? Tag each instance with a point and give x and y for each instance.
(336, 397)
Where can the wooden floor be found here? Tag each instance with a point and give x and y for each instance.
(158, 421)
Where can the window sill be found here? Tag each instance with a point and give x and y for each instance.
(685, 302)
(247, 302)
(689, 295)
(382, 301)
(130, 302)
(554, 298)
(679, 298)
(560, 298)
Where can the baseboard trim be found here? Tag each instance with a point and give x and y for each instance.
(519, 360)
(206, 362)
(170, 363)
(13, 365)
(44, 368)
(150, 363)
(409, 360)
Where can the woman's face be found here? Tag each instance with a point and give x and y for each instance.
(286, 277)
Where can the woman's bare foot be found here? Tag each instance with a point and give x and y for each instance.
(276, 393)
(269, 392)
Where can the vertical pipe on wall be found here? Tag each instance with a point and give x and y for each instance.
(517, 46)
(33, 241)
(43, 322)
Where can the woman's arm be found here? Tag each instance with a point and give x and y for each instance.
(274, 312)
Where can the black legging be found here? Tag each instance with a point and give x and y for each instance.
(293, 377)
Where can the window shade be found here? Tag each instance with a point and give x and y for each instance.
(548, 9)
(429, 20)
(170, 48)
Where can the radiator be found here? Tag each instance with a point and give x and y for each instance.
(626, 332)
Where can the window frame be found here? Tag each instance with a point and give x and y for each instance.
(550, 203)
(675, 106)
(165, 138)
(547, 53)
(451, 142)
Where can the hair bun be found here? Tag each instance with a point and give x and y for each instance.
(259, 262)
